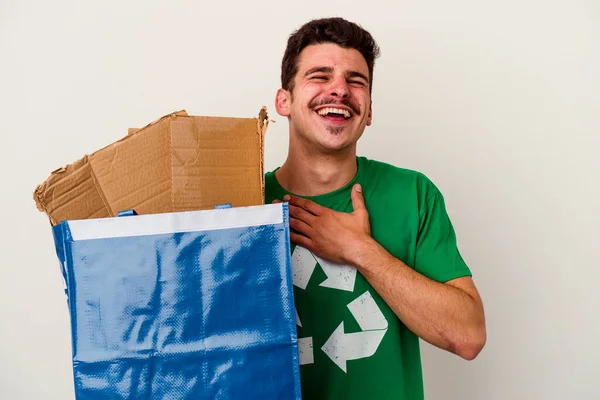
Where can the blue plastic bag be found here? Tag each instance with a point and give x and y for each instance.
(191, 305)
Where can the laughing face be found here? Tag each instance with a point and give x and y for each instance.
(330, 103)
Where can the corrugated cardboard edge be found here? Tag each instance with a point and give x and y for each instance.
(263, 124)
(133, 131)
(39, 193)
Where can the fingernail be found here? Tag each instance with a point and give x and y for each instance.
(286, 197)
(357, 187)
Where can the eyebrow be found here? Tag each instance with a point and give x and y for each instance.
(329, 70)
(356, 74)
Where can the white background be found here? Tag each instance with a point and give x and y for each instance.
(496, 101)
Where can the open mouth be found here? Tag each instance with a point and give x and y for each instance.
(334, 114)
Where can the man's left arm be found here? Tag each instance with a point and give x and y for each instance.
(448, 315)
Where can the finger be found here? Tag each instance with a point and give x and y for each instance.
(358, 201)
(301, 227)
(301, 240)
(301, 214)
(306, 204)
(276, 201)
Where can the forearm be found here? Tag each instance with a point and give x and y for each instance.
(443, 315)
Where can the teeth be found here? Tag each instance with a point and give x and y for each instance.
(331, 110)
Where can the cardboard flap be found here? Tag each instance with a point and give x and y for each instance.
(175, 163)
(72, 192)
(136, 173)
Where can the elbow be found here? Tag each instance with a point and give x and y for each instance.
(471, 352)
(471, 344)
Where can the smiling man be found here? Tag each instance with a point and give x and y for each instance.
(375, 260)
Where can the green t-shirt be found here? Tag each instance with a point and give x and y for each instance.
(352, 345)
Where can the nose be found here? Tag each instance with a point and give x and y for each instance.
(339, 87)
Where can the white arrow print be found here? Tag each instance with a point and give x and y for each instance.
(305, 350)
(339, 276)
(303, 265)
(341, 347)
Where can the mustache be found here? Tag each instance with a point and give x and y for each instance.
(331, 100)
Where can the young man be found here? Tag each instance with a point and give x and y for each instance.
(389, 270)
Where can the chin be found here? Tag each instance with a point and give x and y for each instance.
(336, 130)
(336, 145)
(339, 136)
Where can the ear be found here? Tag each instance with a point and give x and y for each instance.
(370, 117)
(282, 102)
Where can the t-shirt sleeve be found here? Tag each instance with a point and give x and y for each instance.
(437, 255)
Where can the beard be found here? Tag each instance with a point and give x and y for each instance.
(335, 130)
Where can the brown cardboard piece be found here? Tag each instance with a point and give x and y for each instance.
(176, 163)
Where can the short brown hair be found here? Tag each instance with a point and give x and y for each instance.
(333, 30)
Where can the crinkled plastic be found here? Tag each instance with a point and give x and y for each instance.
(193, 305)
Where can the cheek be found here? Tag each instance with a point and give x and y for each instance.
(361, 95)
(310, 93)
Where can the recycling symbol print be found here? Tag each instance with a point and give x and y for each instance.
(340, 347)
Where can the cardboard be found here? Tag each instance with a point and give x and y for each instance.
(176, 163)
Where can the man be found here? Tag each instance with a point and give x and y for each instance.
(390, 271)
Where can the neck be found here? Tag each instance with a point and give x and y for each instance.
(312, 173)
